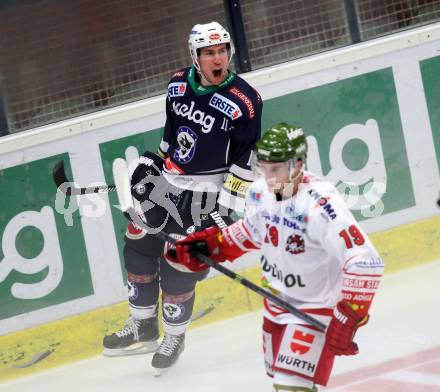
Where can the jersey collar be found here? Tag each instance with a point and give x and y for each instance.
(202, 90)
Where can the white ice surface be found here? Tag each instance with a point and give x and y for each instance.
(227, 356)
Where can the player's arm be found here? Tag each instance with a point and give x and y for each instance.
(145, 174)
(218, 244)
(361, 268)
(168, 134)
(243, 137)
(226, 244)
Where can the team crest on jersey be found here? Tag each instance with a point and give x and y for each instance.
(295, 244)
(187, 139)
(176, 89)
(226, 106)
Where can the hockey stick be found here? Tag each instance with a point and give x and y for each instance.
(120, 175)
(66, 187)
(253, 287)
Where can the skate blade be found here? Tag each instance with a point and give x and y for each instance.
(158, 372)
(134, 349)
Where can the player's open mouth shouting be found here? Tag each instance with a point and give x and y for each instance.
(212, 61)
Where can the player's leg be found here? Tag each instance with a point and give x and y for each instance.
(290, 383)
(141, 331)
(177, 282)
(178, 295)
(295, 357)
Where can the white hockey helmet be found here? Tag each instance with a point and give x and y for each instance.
(209, 34)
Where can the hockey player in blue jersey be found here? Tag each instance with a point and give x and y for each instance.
(202, 170)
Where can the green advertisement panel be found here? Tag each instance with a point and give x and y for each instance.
(355, 139)
(430, 69)
(119, 149)
(43, 255)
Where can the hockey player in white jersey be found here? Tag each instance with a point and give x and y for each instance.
(314, 256)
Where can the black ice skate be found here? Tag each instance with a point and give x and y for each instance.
(168, 352)
(137, 337)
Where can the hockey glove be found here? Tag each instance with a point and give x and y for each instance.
(206, 242)
(342, 328)
(146, 179)
(149, 165)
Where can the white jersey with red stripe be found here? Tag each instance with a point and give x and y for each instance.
(314, 253)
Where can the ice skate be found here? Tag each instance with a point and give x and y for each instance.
(168, 353)
(137, 337)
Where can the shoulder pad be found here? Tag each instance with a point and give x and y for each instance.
(180, 74)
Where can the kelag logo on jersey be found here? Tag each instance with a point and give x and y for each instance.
(225, 106)
(187, 139)
(176, 89)
(196, 116)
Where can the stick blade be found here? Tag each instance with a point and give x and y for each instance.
(122, 183)
(59, 174)
(60, 178)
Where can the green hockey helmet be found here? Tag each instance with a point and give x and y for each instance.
(282, 142)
